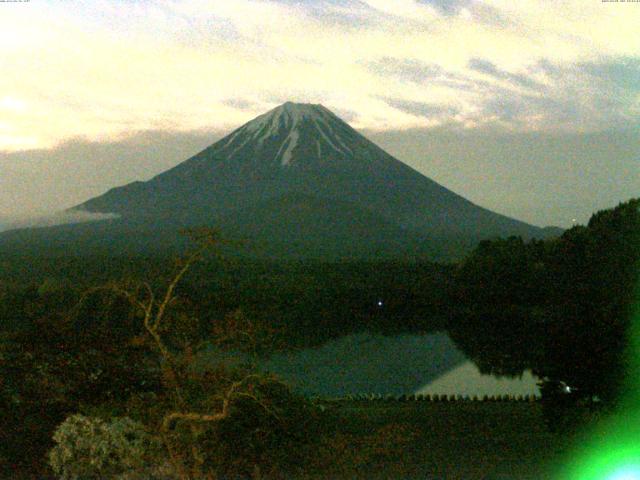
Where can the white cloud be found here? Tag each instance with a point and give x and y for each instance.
(103, 69)
(53, 219)
(403, 8)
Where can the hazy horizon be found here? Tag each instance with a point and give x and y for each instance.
(540, 178)
(529, 109)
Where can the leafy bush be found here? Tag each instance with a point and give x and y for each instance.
(257, 426)
(89, 447)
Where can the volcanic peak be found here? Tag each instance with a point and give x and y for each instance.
(286, 123)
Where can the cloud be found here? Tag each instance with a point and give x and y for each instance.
(544, 178)
(489, 68)
(78, 169)
(545, 96)
(103, 69)
(588, 96)
(448, 7)
(53, 219)
(621, 74)
(422, 109)
(539, 177)
(411, 70)
(410, 9)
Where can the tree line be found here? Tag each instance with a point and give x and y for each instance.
(562, 308)
(82, 349)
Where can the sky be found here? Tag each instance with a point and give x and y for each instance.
(529, 108)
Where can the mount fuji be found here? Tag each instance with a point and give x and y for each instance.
(299, 183)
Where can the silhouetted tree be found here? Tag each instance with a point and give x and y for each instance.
(561, 307)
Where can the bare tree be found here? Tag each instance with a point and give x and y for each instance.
(154, 307)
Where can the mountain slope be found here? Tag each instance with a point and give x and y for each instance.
(249, 181)
(306, 149)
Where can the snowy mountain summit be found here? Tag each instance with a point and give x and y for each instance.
(288, 130)
(301, 182)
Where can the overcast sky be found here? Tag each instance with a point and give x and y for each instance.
(527, 107)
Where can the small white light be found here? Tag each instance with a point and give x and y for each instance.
(379, 303)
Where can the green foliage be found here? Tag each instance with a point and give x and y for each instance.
(52, 363)
(560, 308)
(592, 277)
(92, 448)
(307, 302)
(497, 289)
(268, 428)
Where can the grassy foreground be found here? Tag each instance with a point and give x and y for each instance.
(457, 440)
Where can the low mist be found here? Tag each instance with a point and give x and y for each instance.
(54, 218)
